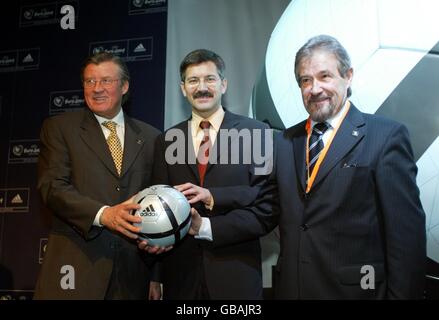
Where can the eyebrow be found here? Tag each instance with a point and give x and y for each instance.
(209, 75)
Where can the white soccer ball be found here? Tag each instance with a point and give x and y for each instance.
(165, 214)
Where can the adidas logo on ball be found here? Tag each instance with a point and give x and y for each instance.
(148, 212)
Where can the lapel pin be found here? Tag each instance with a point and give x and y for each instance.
(355, 133)
(139, 141)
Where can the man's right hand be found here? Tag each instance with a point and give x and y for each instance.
(118, 218)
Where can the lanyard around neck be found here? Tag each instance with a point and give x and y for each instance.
(322, 156)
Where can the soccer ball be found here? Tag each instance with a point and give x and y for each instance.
(165, 214)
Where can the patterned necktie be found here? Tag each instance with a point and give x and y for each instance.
(203, 151)
(114, 145)
(316, 144)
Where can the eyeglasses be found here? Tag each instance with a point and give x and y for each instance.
(106, 83)
(210, 81)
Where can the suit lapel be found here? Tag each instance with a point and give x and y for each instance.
(93, 136)
(299, 150)
(132, 145)
(191, 158)
(230, 121)
(349, 134)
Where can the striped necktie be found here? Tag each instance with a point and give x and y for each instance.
(316, 144)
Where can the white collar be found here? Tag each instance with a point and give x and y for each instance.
(119, 119)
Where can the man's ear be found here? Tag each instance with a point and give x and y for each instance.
(223, 86)
(125, 87)
(183, 89)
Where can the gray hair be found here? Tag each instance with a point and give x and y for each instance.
(329, 44)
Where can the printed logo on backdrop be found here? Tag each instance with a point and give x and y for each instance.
(42, 251)
(14, 200)
(23, 151)
(146, 6)
(135, 49)
(8, 60)
(62, 101)
(19, 60)
(44, 13)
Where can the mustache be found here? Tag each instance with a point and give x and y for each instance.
(318, 98)
(202, 94)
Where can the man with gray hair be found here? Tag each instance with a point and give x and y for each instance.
(344, 185)
(91, 162)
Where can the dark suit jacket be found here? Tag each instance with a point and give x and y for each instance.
(77, 177)
(231, 271)
(363, 209)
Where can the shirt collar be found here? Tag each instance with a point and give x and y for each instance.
(119, 119)
(215, 120)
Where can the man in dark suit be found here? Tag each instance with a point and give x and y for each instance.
(351, 222)
(91, 162)
(210, 168)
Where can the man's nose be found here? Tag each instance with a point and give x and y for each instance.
(316, 87)
(202, 85)
(98, 87)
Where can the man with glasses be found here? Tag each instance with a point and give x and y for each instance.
(90, 163)
(200, 267)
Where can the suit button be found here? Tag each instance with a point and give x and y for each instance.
(304, 227)
(117, 188)
(306, 196)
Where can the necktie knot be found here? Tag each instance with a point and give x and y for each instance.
(110, 125)
(205, 124)
(320, 128)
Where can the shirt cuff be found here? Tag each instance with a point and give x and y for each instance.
(97, 220)
(205, 232)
